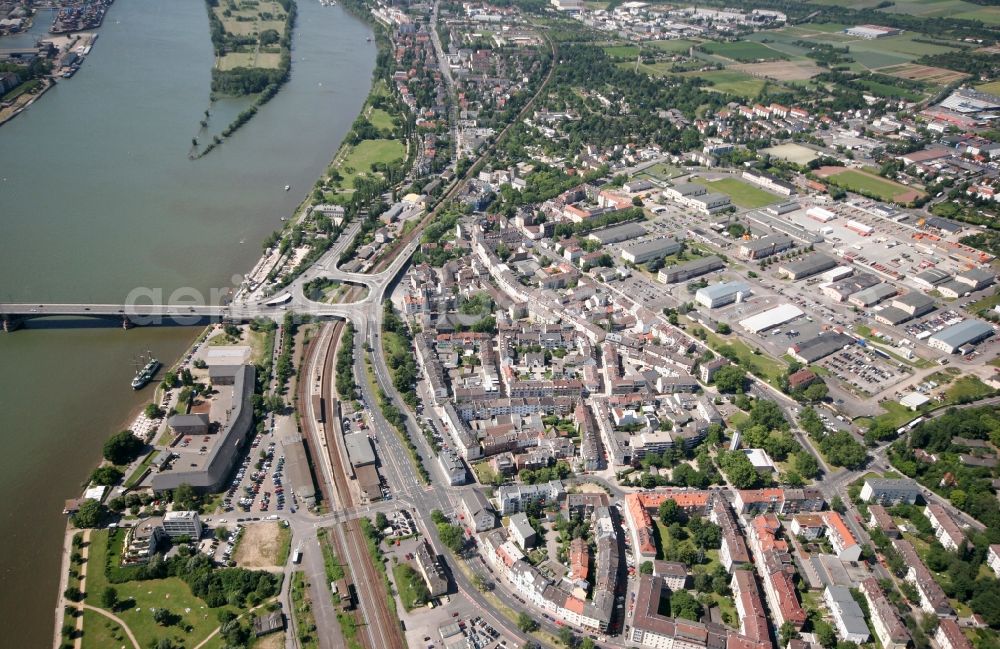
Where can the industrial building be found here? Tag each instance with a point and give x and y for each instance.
(643, 251)
(690, 269)
(967, 332)
(842, 289)
(771, 318)
(807, 266)
(872, 296)
(721, 294)
(930, 278)
(818, 348)
(617, 233)
(772, 244)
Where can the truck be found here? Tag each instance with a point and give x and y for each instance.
(297, 556)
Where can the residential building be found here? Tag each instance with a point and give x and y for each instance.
(890, 492)
(932, 597)
(477, 510)
(431, 569)
(510, 498)
(949, 635)
(847, 615)
(993, 558)
(520, 530)
(945, 529)
(674, 574)
(880, 519)
(885, 618)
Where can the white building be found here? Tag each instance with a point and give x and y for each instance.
(890, 492)
(847, 615)
(993, 558)
(185, 523)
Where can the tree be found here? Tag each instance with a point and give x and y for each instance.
(89, 514)
(109, 598)
(670, 512)
(106, 475)
(566, 636)
(646, 568)
(526, 623)
(683, 604)
(163, 616)
(825, 633)
(815, 392)
(730, 379)
(381, 521)
(187, 497)
(122, 447)
(787, 632)
(805, 464)
(739, 470)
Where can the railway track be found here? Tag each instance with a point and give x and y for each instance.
(381, 626)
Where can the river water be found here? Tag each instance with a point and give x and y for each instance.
(98, 197)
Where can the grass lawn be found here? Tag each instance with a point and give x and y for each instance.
(880, 89)
(731, 81)
(896, 414)
(986, 303)
(366, 153)
(621, 52)
(993, 87)
(27, 86)
(763, 365)
(743, 194)
(381, 119)
(170, 593)
(140, 470)
(302, 609)
(679, 45)
(860, 181)
(405, 577)
(967, 388)
(100, 632)
(743, 51)
(660, 171)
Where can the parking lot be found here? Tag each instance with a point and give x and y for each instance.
(862, 370)
(258, 487)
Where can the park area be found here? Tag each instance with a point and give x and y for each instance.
(251, 33)
(741, 193)
(868, 184)
(796, 70)
(265, 545)
(359, 158)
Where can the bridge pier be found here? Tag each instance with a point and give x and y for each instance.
(10, 323)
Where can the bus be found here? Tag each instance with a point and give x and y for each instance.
(297, 556)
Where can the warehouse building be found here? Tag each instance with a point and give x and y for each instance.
(618, 233)
(806, 266)
(722, 294)
(772, 244)
(967, 332)
(818, 348)
(709, 203)
(977, 278)
(643, 251)
(904, 308)
(359, 449)
(690, 269)
(845, 288)
(931, 278)
(771, 318)
(872, 296)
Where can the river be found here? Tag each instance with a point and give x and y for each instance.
(97, 197)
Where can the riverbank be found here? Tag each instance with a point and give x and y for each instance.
(301, 209)
(24, 101)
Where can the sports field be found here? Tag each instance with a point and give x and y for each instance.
(863, 182)
(796, 153)
(731, 81)
(743, 51)
(741, 193)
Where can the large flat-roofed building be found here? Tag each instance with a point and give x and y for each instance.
(847, 615)
(721, 294)
(807, 266)
(196, 424)
(690, 269)
(873, 295)
(977, 278)
(182, 523)
(682, 191)
(211, 471)
(771, 318)
(967, 332)
(359, 449)
(772, 244)
(931, 277)
(643, 251)
(905, 307)
(297, 467)
(841, 290)
(710, 203)
(617, 233)
(769, 182)
(890, 492)
(819, 347)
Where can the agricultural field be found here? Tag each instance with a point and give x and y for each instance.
(992, 87)
(659, 69)
(926, 8)
(247, 21)
(856, 180)
(743, 51)
(233, 60)
(741, 193)
(924, 73)
(680, 45)
(732, 81)
(799, 70)
(880, 89)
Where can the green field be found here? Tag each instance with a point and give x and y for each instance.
(732, 81)
(854, 180)
(381, 120)
(621, 52)
(880, 89)
(680, 45)
(100, 632)
(658, 69)
(927, 8)
(762, 365)
(743, 51)
(742, 194)
(993, 87)
(366, 153)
